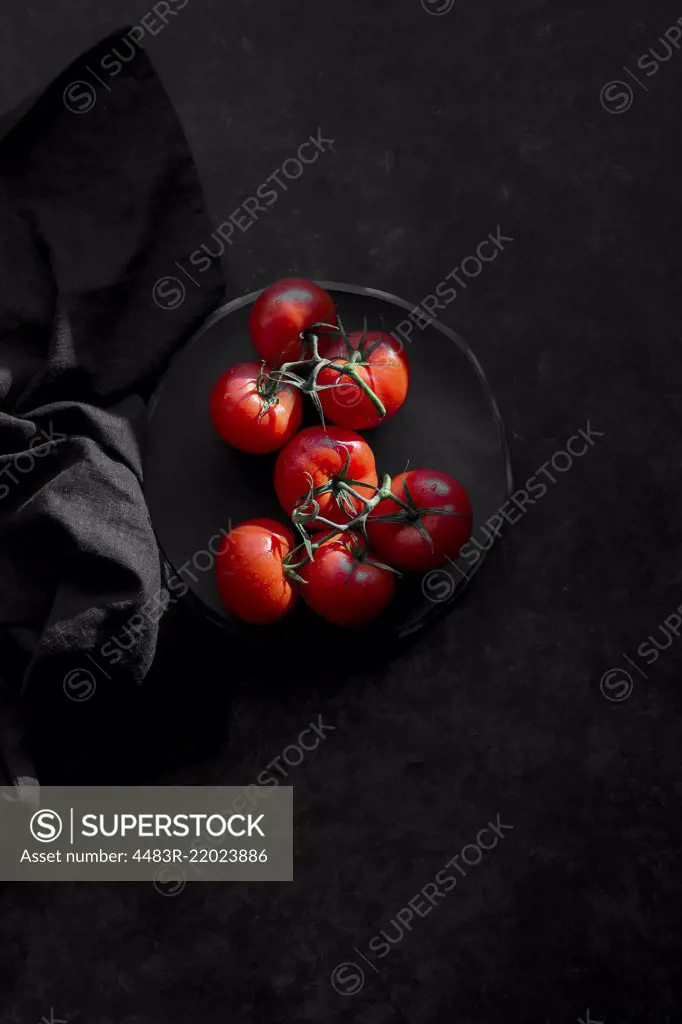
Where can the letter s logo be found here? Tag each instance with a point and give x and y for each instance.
(46, 826)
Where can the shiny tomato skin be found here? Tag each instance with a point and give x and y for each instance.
(383, 365)
(250, 572)
(281, 312)
(236, 404)
(342, 589)
(322, 454)
(401, 544)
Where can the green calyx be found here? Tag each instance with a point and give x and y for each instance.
(308, 508)
(348, 498)
(304, 373)
(267, 391)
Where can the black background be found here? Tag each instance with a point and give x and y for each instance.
(445, 127)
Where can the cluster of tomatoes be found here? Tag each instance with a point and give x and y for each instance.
(357, 532)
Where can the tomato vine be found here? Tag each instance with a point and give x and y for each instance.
(307, 382)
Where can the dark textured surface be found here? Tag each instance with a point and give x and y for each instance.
(445, 127)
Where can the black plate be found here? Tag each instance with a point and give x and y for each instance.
(196, 485)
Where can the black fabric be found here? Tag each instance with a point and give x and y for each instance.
(94, 209)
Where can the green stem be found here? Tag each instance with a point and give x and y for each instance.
(350, 371)
(382, 492)
(342, 485)
(399, 501)
(282, 375)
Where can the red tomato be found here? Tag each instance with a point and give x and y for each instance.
(382, 363)
(343, 586)
(250, 571)
(321, 455)
(282, 312)
(244, 417)
(400, 543)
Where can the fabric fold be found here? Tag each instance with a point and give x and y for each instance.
(95, 207)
